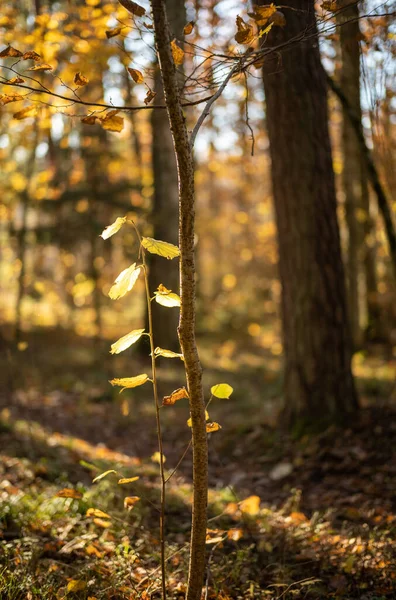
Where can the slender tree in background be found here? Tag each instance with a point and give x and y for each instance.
(360, 256)
(165, 208)
(318, 380)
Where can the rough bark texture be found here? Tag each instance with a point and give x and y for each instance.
(166, 199)
(185, 168)
(318, 382)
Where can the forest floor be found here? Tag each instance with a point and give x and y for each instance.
(313, 517)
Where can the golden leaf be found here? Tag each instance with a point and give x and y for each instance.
(133, 7)
(28, 111)
(221, 390)
(7, 98)
(130, 501)
(31, 55)
(80, 79)
(112, 123)
(124, 480)
(211, 427)
(251, 505)
(261, 14)
(156, 457)
(76, 585)
(102, 523)
(10, 52)
(166, 297)
(89, 120)
(149, 96)
(41, 67)
(95, 512)
(102, 475)
(164, 249)
(177, 53)
(175, 396)
(69, 493)
(189, 421)
(15, 80)
(126, 341)
(167, 353)
(91, 550)
(130, 382)
(110, 33)
(136, 75)
(234, 534)
(113, 228)
(245, 34)
(124, 282)
(188, 28)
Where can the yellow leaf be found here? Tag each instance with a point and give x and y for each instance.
(110, 33)
(14, 80)
(7, 98)
(124, 480)
(10, 52)
(189, 422)
(221, 390)
(211, 427)
(28, 111)
(102, 475)
(95, 512)
(149, 96)
(130, 501)
(124, 282)
(164, 249)
(175, 396)
(126, 341)
(251, 505)
(188, 28)
(156, 457)
(31, 55)
(177, 53)
(112, 123)
(167, 353)
(245, 34)
(113, 228)
(130, 382)
(136, 75)
(166, 297)
(261, 14)
(80, 79)
(89, 120)
(133, 7)
(69, 493)
(76, 585)
(102, 523)
(91, 550)
(41, 67)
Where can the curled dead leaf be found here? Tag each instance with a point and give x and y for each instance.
(149, 96)
(10, 52)
(189, 28)
(80, 79)
(69, 493)
(175, 396)
(136, 75)
(133, 7)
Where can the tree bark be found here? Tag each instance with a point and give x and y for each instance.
(185, 169)
(319, 386)
(165, 208)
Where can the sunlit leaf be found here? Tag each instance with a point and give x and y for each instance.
(124, 282)
(149, 96)
(7, 98)
(251, 505)
(136, 75)
(166, 297)
(69, 493)
(130, 382)
(76, 585)
(124, 480)
(211, 427)
(261, 14)
(102, 475)
(156, 457)
(15, 80)
(110, 33)
(175, 396)
(96, 512)
(28, 111)
(177, 53)
(133, 7)
(113, 228)
(80, 79)
(41, 67)
(221, 390)
(102, 523)
(188, 28)
(10, 52)
(161, 248)
(130, 501)
(112, 123)
(31, 55)
(126, 341)
(167, 353)
(245, 33)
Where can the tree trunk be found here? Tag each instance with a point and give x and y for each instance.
(185, 169)
(165, 208)
(319, 387)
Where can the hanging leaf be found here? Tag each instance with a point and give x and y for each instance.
(177, 53)
(175, 396)
(245, 34)
(95, 512)
(265, 31)
(188, 28)
(221, 390)
(31, 55)
(164, 249)
(80, 79)
(90, 120)
(124, 480)
(149, 96)
(7, 98)
(112, 123)
(130, 501)
(167, 353)
(136, 75)
(130, 382)
(110, 33)
(261, 14)
(113, 228)
(133, 7)
(41, 67)
(10, 52)
(28, 111)
(69, 493)
(15, 80)
(156, 457)
(124, 282)
(102, 475)
(126, 341)
(211, 427)
(76, 585)
(166, 297)
(189, 422)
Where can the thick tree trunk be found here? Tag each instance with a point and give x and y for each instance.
(318, 382)
(166, 199)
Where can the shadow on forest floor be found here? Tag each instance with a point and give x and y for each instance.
(307, 518)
